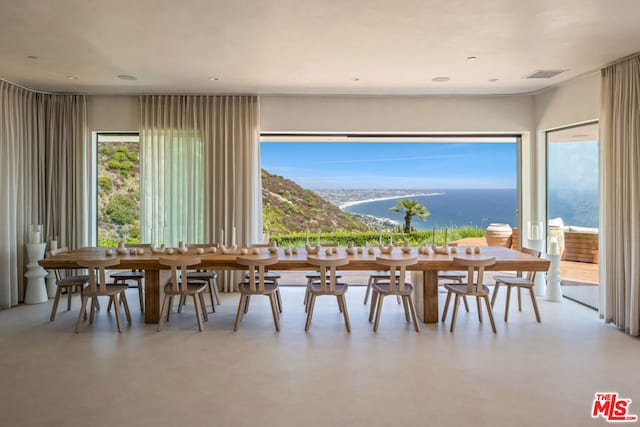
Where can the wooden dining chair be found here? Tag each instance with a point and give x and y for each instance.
(269, 276)
(398, 286)
(476, 288)
(314, 277)
(327, 285)
(98, 286)
(181, 286)
(256, 265)
(375, 277)
(519, 281)
(66, 282)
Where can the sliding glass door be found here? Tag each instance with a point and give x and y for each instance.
(572, 204)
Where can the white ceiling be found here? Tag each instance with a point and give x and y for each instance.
(310, 46)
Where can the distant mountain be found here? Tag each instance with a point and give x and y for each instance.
(287, 207)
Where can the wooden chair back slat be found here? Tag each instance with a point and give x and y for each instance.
(396, 284)
(179, 264)
(475, 267)
(98, 284)
(331, 262)
(530, 275)
(259, 263)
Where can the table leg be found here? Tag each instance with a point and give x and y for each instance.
(430, 297)
(153, 294)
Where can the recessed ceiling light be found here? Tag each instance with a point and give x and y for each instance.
(355, 79)
(493, 80)
(471, 58)
(440, 79)
(213, 79)
(72, 78)
(127, 77)
(32, 57)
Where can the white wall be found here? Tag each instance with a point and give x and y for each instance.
(113, 113)
(573, 102)
(314, 113)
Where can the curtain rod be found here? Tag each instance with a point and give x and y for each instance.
(27, 88)
(624, 58)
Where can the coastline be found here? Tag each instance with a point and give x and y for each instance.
(378, 199)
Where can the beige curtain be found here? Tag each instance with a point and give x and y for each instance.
(620, 204)
(217, 139)
(43, 153)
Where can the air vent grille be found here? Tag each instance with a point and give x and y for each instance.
(544, 74)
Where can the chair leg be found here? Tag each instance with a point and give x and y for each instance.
(454, 314)
(345, 313)
(116, 310)
(310, 305)
(279, 300)
(374, 301)
(495, 294)
(406, 308)
(274, 311)
(197, 308)
(506, 307)
(165, 307)
(246, 304)
(240, 311)
(140, 297)
(413, 313)
(493, 324)
(466, 304)
(366, 293)
(182, 301)
(339, 304)
(398, 299)
(92, 310)
(306, 298)
(479, 309)
(55, 304)
(109, 306)
(203, 306)
(446, 306)
(215, 290)
(83, 309)
(378, 311)
(69, 295)
(170, 308)
(535, 304)
(519, 299)
(125, 304)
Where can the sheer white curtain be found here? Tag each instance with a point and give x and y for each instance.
(43, 156)
(620, 203)
(200, 159)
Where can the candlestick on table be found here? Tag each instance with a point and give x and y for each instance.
(433, 236)
(318, 241)
(445, 235)
(380, 238)
(391, 236)
(233, 236)
(222, 236)
(307, 240)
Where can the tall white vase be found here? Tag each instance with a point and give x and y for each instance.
(36, 290)
(540, 284)
(554, 292)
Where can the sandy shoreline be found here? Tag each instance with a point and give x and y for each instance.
(378, 199)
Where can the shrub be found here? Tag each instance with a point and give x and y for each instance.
(122, 210)
(105, 183)
(126, 165)
(113, 164)
(119, 156)
(132, 156)
(122, 149)
(124, 173)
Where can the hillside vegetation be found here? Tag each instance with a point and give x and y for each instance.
(289, 208)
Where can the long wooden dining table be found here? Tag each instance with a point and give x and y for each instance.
(426, 287)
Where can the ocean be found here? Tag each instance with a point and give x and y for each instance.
(451, 208)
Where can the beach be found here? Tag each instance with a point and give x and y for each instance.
(379, 199)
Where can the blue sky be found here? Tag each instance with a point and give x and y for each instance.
(419, 166)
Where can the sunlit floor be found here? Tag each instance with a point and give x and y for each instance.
(528, 374)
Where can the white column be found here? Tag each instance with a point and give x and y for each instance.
(554, 292)
(36, 290)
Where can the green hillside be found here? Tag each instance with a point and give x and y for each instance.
(288, 208)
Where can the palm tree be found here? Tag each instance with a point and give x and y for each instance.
(410, 208)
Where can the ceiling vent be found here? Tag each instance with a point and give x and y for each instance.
(544, 74)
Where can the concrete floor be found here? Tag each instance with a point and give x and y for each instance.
(528, 374)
